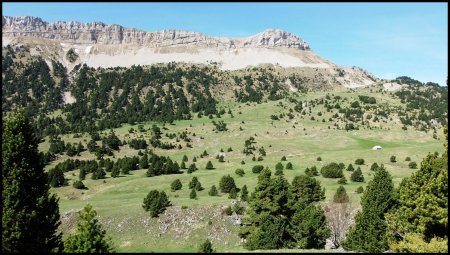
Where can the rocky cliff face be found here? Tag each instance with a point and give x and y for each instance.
(100, 33)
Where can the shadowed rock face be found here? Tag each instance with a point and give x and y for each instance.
(100, 33)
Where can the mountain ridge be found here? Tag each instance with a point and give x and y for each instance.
(100, 45)
(99, 32)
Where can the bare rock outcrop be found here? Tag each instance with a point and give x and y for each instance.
(100, 33)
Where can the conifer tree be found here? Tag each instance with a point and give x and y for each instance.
(176, 185)
(269, 225)
(350, 167)
(209, 165)
(90, 237)
(422, 214)
(193, 194)
(213, 191)
(156, 202)
(305, 189)
(233, 193)
(342, 180)
(309, 227)
(193, 182)
(198, 186)
(192, 168)
(341, 195)
(226, 184)
(206, 247)
(279, 166)
(30, 215)
(244, 193)
(289, 165)
(369, 232)
(115, 172)
(357, 176)
(374, 166)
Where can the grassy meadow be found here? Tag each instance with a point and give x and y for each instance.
(118, 201)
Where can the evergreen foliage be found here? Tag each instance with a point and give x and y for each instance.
(412, 165)
(332, 170)
(240, 172)
(176, 185)
(350, 167)
(233, 193)
(193, 182)
(78, 185)
(369, 232)
(360, 190)
(156, 202)
(357, 176)
(209, 165)
(309, 227)
(341, 196)
(279, 166)
(393, 159)
(284, 216)
(90, 236)
(206, 247)
(244, 193)
(359, 161)
(227, 184)
(257, 169)
(420, 222)
(374, 166)
(342, 180)
(289, 166)
(193, 194)
(213, 191)
(30, 215)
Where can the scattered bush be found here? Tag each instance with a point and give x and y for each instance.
(156, 202)
(279, 166)
(360, 190)
(227, 184)
(257, 169)
(176, 185)
(205, 247)
(393, 160)
(342, 180)
(240, 172)
(209, 165)
(78, 185)
(357, 176)
(332, 170)
(213, 191)
(193, 194)
(412, 165)
(289, 165)
(341, 196)
(359, 161)
(374, 166)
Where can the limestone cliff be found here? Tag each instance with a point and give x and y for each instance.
(100, 33)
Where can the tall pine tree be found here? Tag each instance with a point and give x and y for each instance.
(369, 232)
(30, 215)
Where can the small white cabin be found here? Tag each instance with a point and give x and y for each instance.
(376, 147)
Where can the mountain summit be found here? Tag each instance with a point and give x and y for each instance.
(100, 33)
(100, 45)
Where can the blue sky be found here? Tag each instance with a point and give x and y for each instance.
(386, 39)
